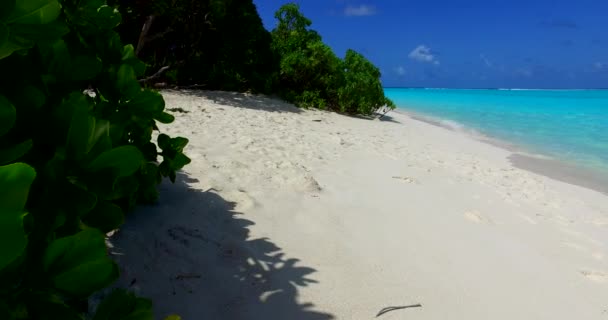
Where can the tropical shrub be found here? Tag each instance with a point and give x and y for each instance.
(311, 75)
(361, 92)
(309, 69)
(76, 153)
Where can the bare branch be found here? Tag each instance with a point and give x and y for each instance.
(155, 75)
(144, 32)
(157, 36)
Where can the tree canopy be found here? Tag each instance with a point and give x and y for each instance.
(211, 43)
(223, 45)
(311, 75)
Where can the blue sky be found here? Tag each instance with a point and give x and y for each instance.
(465, 43)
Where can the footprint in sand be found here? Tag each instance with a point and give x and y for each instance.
(477, 217)
(405, 179)
(595, 276)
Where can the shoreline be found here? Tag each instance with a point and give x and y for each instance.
(560, 170)
(288, 213)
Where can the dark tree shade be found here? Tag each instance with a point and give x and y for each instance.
(216, 44)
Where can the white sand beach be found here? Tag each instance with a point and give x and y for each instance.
(304, 214)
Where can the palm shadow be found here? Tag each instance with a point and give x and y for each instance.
(192, 255)
(244, 100)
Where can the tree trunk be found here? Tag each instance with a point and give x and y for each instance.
(144, 33)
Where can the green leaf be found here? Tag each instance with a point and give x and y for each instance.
(53, 308)
(60, 64)
(123, 305)
(146, 103)
(179, 143)
(150, 151)
(14, 188)
(78, 264)
(25, 36)
(6, 8)
(81, 129)
(35, 12)
(124, 187)
(9, 47)
(164, 141)
(172, 145)
(129, 57)
(126, 81)
(63, 114)
(29, 98)
(107, 17)
(77, 198)
(38, 33)
(8, 115)
(106, 217)
(15, 182)
(3, 34)
(125, 160)
(128, 53)
(165, 118)
(87, 277)
(180, 161)
(15, 152)
(85, 68)
(150, 177)
(99, 141)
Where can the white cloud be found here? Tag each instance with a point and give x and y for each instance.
(360, 10)
(400, 70)
(423, 53)
(486, 61)
(600, 65)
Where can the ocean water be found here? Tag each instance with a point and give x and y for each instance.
(566, 125)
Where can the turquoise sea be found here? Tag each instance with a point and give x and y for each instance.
(566, 125)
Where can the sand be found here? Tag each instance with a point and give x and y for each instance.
(304, 214)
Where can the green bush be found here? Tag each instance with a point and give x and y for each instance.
(361, 92)
(76, 153)
(311, 75)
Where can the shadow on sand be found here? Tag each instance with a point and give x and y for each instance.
(243, 100)
(380, 116)
(192, 255)
(388, 118)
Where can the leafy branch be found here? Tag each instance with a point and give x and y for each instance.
(76, 154)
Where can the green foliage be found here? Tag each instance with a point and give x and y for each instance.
(311, 75)
(15, 182)
(215, 44)
(76, 153)
(77, 265)
(121, 305)
(362, 91)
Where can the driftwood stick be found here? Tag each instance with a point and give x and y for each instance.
(389, 309)
(385, 112)
(155, 75)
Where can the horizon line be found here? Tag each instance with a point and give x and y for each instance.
(492, 88)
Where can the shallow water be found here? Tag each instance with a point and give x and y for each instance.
(567, 125)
